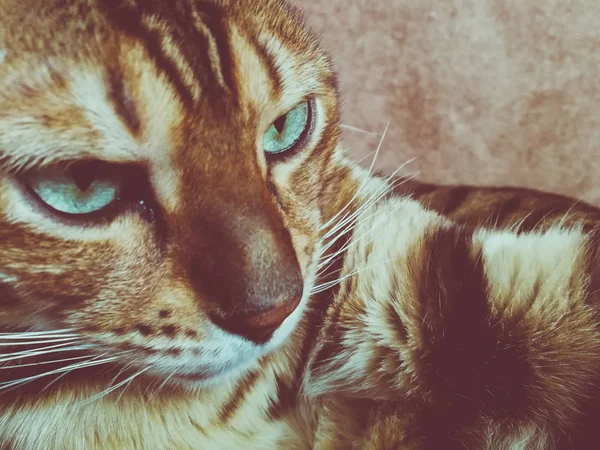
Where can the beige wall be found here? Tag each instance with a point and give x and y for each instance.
(481, 91)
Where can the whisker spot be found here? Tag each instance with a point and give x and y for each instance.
(144, 330)
(170, 330)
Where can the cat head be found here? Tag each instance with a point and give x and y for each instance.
(166, 169)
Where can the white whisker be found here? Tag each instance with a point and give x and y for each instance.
(20, 334)
(322, 267)
(81, 365)
(367, 204)
(358, 130)
(325, 258)
(127, 384)
(123, 369)
(365, 157)
(363, 184)
(113, 388)
(163, 384)
(325, 286)
(43, 351)
(42, 341)
(388, 186)
(91, 359)
(43, 362)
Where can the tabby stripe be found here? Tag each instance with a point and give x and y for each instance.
(196, 33)
(415, 189)
(236, 400)
(456, 198)
(268, 62)
(469, 362)
(284, 400)
(329, 138)
(196, 42)
(221, 56)
(129, 20)
(503, 215)
(123, 104)
(61, 304)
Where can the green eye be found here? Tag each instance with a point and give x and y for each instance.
(79, 190)
(287, 131)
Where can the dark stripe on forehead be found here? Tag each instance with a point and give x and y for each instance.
(216, 23)
(194, 26)
(176, 21)
(122, 102)
(128, 18)
(268, 62)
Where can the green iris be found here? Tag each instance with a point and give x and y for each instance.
(288, 130)
(75, 192)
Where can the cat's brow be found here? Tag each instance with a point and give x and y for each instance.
(20, 163)
(34, 147)
(84, 120)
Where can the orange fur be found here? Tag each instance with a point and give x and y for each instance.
(392, 292)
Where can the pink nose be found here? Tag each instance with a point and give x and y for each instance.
(259, 327)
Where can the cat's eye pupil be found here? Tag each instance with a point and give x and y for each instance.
(287, 131)
(83, 176)
(279, 124)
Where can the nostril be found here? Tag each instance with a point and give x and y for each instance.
(258, 327)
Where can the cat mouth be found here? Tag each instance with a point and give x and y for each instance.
(38, 357)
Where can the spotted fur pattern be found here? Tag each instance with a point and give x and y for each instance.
(430, 317)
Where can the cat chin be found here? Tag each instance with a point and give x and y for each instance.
(206, 380)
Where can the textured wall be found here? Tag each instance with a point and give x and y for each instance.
(481, 91)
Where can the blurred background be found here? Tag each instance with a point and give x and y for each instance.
(494, 92)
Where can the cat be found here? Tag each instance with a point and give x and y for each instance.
(189, 261)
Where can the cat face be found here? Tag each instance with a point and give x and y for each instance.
(162, 167)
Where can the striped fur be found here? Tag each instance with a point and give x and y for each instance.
(431, 317)
(471, 342)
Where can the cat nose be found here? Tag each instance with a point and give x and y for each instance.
(259, 327)
(246, 273)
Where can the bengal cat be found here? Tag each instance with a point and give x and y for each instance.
(188, 261)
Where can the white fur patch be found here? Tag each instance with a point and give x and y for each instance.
(518, 265)
(8, 278)
(299, 79)
(3, 54)
(88, 93)
(256, 80)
